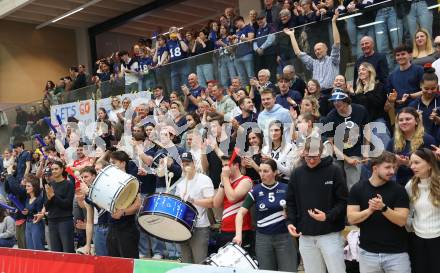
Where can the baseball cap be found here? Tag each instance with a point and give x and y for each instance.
(261, 15)
(187, 156)
(338, 94)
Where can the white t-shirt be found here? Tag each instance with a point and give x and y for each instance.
(199, 187)
(130, 78)
(113, 115)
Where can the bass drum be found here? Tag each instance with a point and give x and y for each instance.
(113, 189)
(167, 217)
(232, 255)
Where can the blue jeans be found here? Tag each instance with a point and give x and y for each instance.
(276, 252)
(383, 262)
(179, 74)
(226, 69)
(419, 15)
(159, 246)
(9, 242)
(323, 253)
(61, 236)
(100, 240)
(355, 34)
(245, 68)
(205, 73)
(392, 28)
(35, 235)
(144, 239)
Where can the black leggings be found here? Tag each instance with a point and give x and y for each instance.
(123, 240)
(424, 254)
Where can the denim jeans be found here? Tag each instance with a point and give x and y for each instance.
(205, 73)
(144, 244)
(392, 28)
(226, 69)
(9, 242)
(144, 239)
(419, 16)
(61, 236)
(245, 68)
(276, 252)
(323, 253)
(179, 74)
(355, 34)
(383, 262)
(159, 246)
(100, 240)
(35, 235)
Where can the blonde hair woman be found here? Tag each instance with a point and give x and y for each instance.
(409, 135)
(424, 194)
(423, 52)
(178, 113)
(310, 104)
(371, 94)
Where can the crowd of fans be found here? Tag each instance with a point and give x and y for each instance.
(313, 155)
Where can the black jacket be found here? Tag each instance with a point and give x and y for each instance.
(324, 188)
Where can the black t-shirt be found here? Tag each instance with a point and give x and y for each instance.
(359, 117)
(378, 234)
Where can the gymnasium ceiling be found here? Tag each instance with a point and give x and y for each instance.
(187, 14)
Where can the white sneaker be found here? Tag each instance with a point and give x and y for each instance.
(157, 257)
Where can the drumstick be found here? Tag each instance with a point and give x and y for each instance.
(60, 122)
(233, 156)
(3, 205)
(167, 184)
(16, 202)
(47, 120)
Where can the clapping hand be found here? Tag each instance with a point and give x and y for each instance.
(49, 191)
(376, 203)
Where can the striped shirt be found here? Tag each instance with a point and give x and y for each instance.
(326, 69)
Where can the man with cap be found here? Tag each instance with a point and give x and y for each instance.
(197, 189)
(349, 120)
(264, 46)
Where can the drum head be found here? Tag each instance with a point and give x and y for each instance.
(127, 195)
(232, 255)
(164, 228)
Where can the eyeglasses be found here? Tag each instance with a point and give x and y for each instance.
(312, 157)
(437, 44)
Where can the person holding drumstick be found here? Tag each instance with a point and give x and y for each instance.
(273, 240)
(197, 189)
(123, 235)
(230, 195)
(97, 218)
(59, 193)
